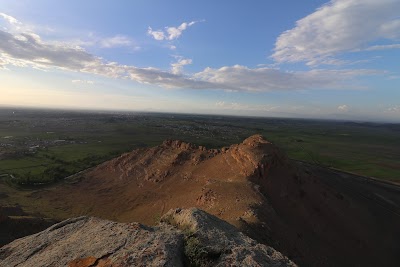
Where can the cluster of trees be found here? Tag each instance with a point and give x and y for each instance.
(49, 175)
(59, 169)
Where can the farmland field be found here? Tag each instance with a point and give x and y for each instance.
(44, 146)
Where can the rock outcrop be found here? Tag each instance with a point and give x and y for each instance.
(315, 216)
(210, 241)
(189, 237)
(143, 184)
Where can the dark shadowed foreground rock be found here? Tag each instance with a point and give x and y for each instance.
(210, 241)
(188, 237)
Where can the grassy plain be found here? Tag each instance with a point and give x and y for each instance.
(44, 146)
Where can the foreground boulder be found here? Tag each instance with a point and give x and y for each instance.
(188, 237)
(210, 241)
(88, 241)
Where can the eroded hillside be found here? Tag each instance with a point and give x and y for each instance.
(315, 216)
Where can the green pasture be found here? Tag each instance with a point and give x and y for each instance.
(364, 148)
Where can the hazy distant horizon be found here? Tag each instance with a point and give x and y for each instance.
(116, 111)
(334, 59)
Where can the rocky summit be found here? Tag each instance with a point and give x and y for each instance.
(184, 237)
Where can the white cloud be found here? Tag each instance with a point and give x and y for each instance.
(220, 103)
(242, 78)
(157, 35)
(236, 78)
(83, 81)
(11, 24)
(27, 49)
(177, 67)
(116, 41)
(3, 63)
(382, 47)
(337, 27)
(343, 108)
(244, 107)
(176, 32)
(395, 109)
(19, 30)
(9, 19)
(170, 33)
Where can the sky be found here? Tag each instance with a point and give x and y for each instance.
(337, 59)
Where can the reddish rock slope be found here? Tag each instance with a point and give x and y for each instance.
(309, 213)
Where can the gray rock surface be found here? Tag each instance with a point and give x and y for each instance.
(88, 241)
(210, 241)
(189, 237)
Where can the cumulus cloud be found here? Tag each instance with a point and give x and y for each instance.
(176, 32)
(169, 33)
(177, 67)
(27, 49)
(337, 27)
(343, 108)
(157, 35)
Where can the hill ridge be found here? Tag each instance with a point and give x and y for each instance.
(299, 209)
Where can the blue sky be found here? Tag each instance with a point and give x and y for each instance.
(310, 59)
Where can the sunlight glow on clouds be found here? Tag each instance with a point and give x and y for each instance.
(337, 27)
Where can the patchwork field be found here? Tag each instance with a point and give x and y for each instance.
(44, 146)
